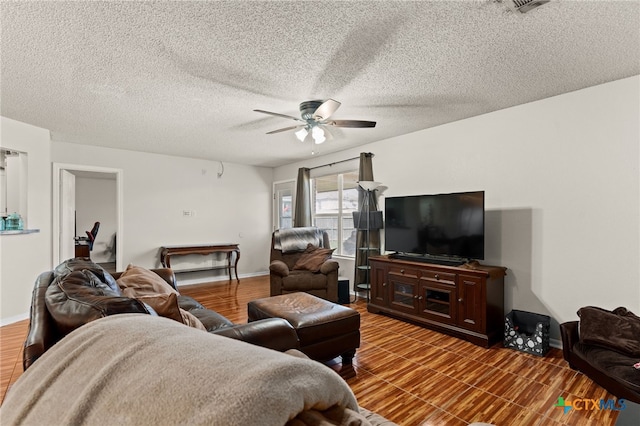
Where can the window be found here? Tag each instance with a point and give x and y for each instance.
(335, 197)
(283, 205)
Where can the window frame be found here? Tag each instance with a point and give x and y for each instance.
(340, 215)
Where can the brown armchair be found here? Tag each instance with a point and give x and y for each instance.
(285, 279)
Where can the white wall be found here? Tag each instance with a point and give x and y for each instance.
(23, 257)
(95, 203)
(158, 188)
(562, 185)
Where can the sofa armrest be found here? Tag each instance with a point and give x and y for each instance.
(42, 330)
(272, 333)
(329, 266)
(280, 268)
(569, 334)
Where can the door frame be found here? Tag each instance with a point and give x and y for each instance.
(57, 168)
(276, 202)
(67, 214)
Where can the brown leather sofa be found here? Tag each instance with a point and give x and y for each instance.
(285, 278)
(102, 295)
(605, 360)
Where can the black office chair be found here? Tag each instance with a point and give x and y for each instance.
(91, 235)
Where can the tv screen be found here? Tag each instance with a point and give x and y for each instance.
(448, 225)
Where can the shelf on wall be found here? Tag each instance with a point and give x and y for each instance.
(19, 232)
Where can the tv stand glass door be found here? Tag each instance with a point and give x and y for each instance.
(438, 302)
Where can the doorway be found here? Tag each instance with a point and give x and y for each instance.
(65, 229)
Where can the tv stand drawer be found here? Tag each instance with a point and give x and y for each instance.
(438, 276)
(404, 271)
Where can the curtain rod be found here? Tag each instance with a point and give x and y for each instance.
(337, 162)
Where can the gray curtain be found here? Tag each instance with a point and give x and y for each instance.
(361, 275)
(302, 210)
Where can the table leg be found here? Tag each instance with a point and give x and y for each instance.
(166, 260)
(235, 266)
(229, 254)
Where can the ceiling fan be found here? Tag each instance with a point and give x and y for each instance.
(315, 117)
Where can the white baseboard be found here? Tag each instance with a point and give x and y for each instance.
(16, 318)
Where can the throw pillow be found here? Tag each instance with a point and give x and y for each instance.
(313, 258)
(81, 297)
(165, 305)
(618, 330)
(147, 286)
(137, 281)
(189, 319)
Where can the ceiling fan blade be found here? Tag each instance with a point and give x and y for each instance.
(326, 109)
(279, 115)
(285, 129)
(351, 123)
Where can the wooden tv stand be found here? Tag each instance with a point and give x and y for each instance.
(464, 301)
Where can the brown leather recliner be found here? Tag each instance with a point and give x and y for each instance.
(285, 279)
(103, 298)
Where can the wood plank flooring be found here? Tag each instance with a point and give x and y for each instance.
(412, 375)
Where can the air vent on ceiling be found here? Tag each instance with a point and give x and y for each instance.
(524, 6)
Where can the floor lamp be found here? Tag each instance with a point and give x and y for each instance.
(367, 220)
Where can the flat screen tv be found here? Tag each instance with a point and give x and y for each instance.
(438, 225)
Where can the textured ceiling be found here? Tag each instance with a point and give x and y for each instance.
(182, 78)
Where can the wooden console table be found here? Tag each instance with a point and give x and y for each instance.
(204, 249)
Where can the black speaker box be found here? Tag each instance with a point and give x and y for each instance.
(343, 291)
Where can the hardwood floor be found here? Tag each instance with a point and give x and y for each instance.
(11, 341)
(412, 375)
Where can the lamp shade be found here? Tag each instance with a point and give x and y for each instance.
(368, 185)
(318, 135)
(374, 222)
(301, 134)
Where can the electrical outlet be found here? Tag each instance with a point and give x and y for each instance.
(188, 213)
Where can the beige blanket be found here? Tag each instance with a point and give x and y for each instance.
(135, 369)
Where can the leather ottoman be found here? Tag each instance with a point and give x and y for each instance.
(325, 329)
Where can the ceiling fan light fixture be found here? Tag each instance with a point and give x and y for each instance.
(318, 135)
(302, 134)
(315, 116)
